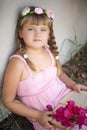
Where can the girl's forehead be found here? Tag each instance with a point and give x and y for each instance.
(39, 25)
(35, 25)
(36, 20)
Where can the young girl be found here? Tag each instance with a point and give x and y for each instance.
(34, 76)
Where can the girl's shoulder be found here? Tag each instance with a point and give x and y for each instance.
(14, 68)
(16, 60)
(19, 61)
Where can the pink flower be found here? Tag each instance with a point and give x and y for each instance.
(25, 11)
(85, 121)
(67, 113)
(49, 107)
(38, 11)
(70, 115)
(50, 14)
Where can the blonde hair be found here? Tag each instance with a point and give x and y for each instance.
(35, 19)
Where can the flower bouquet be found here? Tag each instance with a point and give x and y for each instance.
(65, 117)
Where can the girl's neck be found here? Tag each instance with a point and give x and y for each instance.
(35, 51)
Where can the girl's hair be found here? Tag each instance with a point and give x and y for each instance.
(28, 15)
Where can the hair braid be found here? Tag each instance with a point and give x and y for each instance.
(21, 49)
(54, 49)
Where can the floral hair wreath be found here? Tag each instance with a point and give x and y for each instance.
(27, 10)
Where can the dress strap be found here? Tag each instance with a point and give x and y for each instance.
(23, 60)
(49, 52)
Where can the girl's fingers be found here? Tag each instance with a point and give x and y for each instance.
(82, 87)
(49, 124)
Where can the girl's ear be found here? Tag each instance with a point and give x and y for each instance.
(20, 34)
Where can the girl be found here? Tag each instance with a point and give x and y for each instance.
(34, 76)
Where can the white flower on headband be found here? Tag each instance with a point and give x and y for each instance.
(38, 11)
(25, 11)
(50, 14)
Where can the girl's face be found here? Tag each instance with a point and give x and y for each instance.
(35, 36)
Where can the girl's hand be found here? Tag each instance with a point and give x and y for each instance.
(78, 87)
(45, 118)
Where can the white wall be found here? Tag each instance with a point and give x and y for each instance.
(68, 13)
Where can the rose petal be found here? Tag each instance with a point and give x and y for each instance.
(49, 107)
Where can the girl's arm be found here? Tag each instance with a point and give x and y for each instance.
(72, 84)
(68, 81)
(12, 78)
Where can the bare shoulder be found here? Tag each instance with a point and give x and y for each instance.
(14, 68)
(15, 62)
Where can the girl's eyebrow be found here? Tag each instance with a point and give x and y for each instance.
(41, 26)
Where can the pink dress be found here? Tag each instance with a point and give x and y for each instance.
(42, 89)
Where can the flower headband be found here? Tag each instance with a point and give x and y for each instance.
(27, 10)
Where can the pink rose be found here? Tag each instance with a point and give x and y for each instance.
(38, 11)
(50, 14)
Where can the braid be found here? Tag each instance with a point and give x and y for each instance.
(52, 42)
(54, 49)
(21, 50)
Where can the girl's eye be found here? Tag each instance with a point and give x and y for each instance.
(43, 30)
(30, 29)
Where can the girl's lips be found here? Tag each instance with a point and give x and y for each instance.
(37, 40)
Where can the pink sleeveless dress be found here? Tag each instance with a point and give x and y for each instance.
(41, 89)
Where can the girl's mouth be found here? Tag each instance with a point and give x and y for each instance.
(37, 40)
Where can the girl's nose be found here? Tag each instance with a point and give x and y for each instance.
(37, 33)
